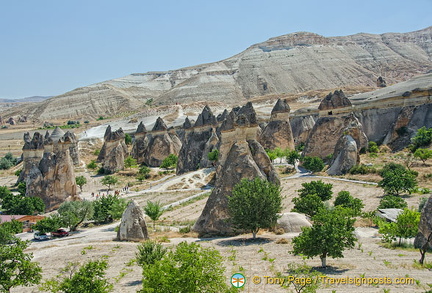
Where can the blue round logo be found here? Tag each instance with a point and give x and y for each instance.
(238, 280)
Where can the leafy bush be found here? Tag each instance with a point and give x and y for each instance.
(128, 139)
(392, 201)
(346, 200)
(108, 208)
(169, 162)
(319, 188)
(313, 164)
(373, 147)
(423, 138)
(92, 165)
(7, 162)
(149, 252)
(188, 268)
(406, 226)
(362, 169)
(213, 155)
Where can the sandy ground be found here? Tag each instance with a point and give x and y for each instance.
(261, 258)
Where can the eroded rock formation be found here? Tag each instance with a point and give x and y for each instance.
(345, 156)
(48, 168)
(423, 239)
(241, 156)
(199, 140)
(140, 143)
(159, 144)
(278, 132)
(114, 150)
(133, 226)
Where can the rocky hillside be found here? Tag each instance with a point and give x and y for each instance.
(290, 63)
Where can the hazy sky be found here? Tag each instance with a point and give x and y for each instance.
(51, 47)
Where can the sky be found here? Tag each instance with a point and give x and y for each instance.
(50, 47)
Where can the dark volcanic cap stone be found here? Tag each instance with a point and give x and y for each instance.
(334, 100)
(141, 128)
(159, 125)
(187, 124)
(206, 117)
(281, 107)
(249, 113)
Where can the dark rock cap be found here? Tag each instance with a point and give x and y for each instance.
(113, 136)
(107, 133)
(159, 125)
(187, 124)
(221, 117)
(36, 143)
(228, 123)
(206, 117)
(68, 137)
(248, 112)
(281, 107)
(335, 100)
(141, 128)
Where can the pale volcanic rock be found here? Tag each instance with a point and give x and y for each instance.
(133, 225)
(159, 144)
(278, 132)
(114, 150)
(345, 156)
(291, 63)
(292, 222)
(140, 143)
(424, 237)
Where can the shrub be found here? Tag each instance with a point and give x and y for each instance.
(313, 164)
(373, 147)
(149, 252)
(392, 201)
(396, 179)
(169, 162)
(362, 169)
(92, 165)
(213, 155)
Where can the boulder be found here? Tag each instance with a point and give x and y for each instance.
(292, 222)
(345, 156)
(11, 121)
(133, 226)
(381, 82)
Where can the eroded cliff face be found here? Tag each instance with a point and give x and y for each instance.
(290, 63)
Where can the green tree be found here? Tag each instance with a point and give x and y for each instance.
(392, 202)
(309, 204)
(74, 213)
(188, 268)
(108, 208)
(254, 204)
(313, 164)
(272, 155)
(406, 226)
(8, 231)
(154, 210)
(319, 188)
(346, 200)
(89, 277)
(423, 138)
(144, 170)
(49, 224)
(22, 205)
(22, 188)
(396, 179)
(423, 154)
(16, 267)
(109, 180)
(213, 155)
(7, 161)
(292, 157)
(92, 165)
(129, 162)
(80, 181)
(149, 252)
(331, 233)
(169, 162)
(128, 139)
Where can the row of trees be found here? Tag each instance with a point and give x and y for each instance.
(71, 214)
(20, 204)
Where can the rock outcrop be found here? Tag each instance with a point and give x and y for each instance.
(48, 168)
(423, 239)
(198, 142)
(161, 142)
(328, 129)
(278, 132)
(140, 143)
(345, 156)
(334, 101)
(241, 156)
(114, 150)
(133, 226)
(381, 82)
